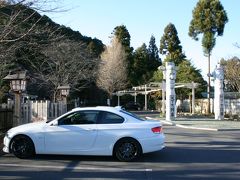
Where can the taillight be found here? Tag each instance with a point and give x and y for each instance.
(157, 130)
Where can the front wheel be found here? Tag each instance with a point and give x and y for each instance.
(22, 147)
(127, 150)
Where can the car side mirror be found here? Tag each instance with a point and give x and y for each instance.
(54, 123)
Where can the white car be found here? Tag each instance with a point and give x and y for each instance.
(87, 131)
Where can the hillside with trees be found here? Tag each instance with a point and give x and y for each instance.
(52, 54)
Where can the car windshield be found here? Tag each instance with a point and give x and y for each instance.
(132, 115)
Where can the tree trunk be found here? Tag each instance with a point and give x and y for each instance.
(209, 85)
(55, 96)
(109, 100)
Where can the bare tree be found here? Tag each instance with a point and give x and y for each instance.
(232, 73)
(236, 45)
(112, 74)
(65, 63)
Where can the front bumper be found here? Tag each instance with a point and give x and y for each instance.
(6, 142)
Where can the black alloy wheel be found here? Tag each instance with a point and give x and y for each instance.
(22, 147)
(127, 150)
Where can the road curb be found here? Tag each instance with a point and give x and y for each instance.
(184, 126)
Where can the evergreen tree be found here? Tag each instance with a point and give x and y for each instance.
(208, 18)
(123, 35)
(187, 73)
(140, 65)
(145, 62)
(170, 45)
(154, 59)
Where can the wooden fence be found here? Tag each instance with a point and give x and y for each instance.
(32, 111)
(6, 119)
(232, 106)
(44, 110)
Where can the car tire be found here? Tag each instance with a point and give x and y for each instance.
(127, 149)
(22, 147)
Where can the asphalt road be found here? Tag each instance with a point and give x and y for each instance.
(189, 154)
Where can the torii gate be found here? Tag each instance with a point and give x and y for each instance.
(153, 87)
(169, 73)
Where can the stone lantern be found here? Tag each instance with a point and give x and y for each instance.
(18, 81)
(64, 91)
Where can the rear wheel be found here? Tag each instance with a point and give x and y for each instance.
(22, 147)
(127, 150)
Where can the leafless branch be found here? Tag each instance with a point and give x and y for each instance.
(232, 73)
(18, 23)
(236, 45)
(66, 62)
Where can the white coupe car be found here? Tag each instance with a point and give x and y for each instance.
(87, 131)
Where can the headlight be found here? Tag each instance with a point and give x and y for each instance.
(7, 134)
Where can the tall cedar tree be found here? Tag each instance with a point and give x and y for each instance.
(154, 59)
(124, 38)
(145, 62)
(208, 18)
(170, 45)
(140, 65)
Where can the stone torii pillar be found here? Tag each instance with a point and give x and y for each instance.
(218, 76)
(170, 91)
(163, 109)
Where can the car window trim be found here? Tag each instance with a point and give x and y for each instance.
(103, 113)
(98, 112)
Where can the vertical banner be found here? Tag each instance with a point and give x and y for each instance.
(170, 91)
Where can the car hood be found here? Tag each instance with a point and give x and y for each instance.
(28, 127)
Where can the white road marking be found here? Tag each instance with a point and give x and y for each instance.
(106, 169)
(185, 126)
(198, 128)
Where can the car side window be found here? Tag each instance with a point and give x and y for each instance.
(111, 118)
(79, 117)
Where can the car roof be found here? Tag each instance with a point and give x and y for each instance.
(99, 108)
(117, 110)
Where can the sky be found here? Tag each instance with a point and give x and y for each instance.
(143, 18)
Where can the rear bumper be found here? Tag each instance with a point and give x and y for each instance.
(153, 144)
